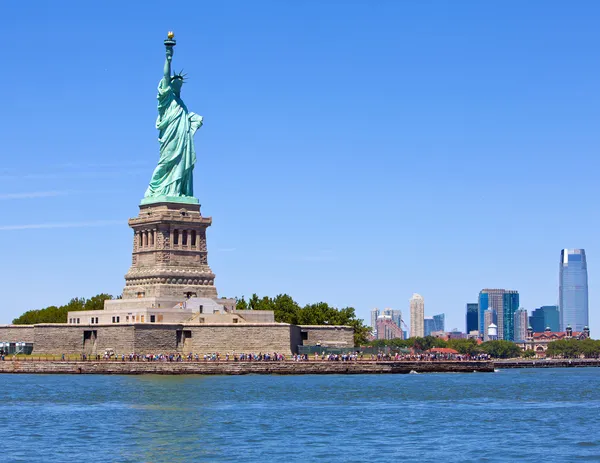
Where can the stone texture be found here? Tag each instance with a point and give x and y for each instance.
(70, 339)
(245, 337)
(170, 256)
(17, 333)
(155, 338)
(338, 336)
(242, 368)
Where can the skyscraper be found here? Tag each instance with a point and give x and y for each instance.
(417, 316)
(545, 316)
(520, 325)
(472, 317)
(439, 322)
(374, 314)
(395, 314)
(505, 302)
(573, 289)
(428, 325)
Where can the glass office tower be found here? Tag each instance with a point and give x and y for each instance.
(505, 303)
(573, 289)
(545, 316)
(472, 317)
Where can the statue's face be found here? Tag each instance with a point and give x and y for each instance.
(176, 85)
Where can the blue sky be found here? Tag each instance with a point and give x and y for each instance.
(353, 152)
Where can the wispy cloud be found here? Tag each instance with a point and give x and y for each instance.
(33, 194)
(93, 223)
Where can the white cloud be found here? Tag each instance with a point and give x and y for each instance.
(94, 223)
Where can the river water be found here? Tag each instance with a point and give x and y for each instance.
(512, 415)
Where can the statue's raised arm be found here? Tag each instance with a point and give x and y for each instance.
(167, 68)
(172, 180)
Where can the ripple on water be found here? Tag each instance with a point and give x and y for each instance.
(425, 418)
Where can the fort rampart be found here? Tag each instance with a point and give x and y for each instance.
(240, 368)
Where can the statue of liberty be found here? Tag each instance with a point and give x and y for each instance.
(172, 180)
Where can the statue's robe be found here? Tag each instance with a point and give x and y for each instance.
(173, 175)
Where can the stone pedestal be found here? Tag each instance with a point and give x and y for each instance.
(170, 258)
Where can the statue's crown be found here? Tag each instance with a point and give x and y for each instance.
(179, 75)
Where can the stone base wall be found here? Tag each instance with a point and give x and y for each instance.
(245, 337)
(71, 339)
(154, 338)
(17, 333)
(330, 336)
(241, 368)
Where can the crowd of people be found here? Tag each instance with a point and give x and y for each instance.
(279, 357)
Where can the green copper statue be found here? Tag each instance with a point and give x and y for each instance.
(172, 180)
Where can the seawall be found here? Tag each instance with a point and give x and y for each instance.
(239, 368)
(547, 363)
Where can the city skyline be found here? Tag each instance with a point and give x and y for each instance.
(447, 105)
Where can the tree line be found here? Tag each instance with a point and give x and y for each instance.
(496, 349)
(54, 314)
(574, 348)
(289, 311)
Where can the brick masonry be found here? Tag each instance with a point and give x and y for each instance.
(143, 338)
(17, 333)
(335, 336)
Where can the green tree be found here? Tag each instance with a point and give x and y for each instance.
(465, 346)
(427, 343)
(501, 349)
(529, 353)
(53, 314)
(286, 309)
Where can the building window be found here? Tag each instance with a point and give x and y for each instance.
(70, 320)
(142, 319)
(152, 238)
(127, 318)
(92, 320)
(193, 238)
(118, 319)
(201, 309)
(184, 238)
(96, 320)
(235, 320)
(152, 319)
(113, 319)
(304, 335)
(140, 240)
(176, 237)
(201, 320)
(78, 321)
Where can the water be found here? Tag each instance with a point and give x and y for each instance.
(512, 415)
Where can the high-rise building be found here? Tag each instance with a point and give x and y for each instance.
(396, 315)
(573, 289)
(374, 314)
(521, 325)
(428, 325)
(505, 302)
(387, 328)
(472, 317)
(544, 317)
(490, 317)
(417, 316)
(439, 322)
